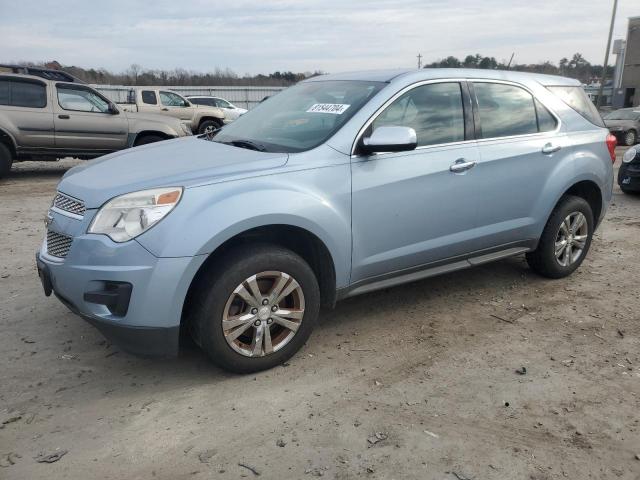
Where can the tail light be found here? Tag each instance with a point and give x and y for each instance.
(612, 141)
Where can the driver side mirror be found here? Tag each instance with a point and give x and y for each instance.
(113, 110)
(390, 139)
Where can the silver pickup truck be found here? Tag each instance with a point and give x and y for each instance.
(200, 118)
(48, 114)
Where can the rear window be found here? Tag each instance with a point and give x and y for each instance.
(149, 97)
(577, 99)
(21, 93)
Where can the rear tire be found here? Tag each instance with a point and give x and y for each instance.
(208, 126)
(219, 312)
(145, 140)
(551, 259)
(6, 160)
(630, 138)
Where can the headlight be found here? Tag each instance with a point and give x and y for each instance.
(186, 129)
(127, 216)
(630, 154)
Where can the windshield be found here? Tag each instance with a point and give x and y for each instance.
(299, 118)
(623, 115)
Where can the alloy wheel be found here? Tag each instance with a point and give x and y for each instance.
(263, 314)
(571, 239)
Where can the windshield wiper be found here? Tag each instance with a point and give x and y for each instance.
(251, 145)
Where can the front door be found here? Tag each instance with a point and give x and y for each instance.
(409, 208)
(176, 106)
(83, 120)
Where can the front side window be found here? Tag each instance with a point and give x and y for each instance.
(21, 93)
(434, 111)
(505, 110)
(301, 117)
(203, 101)
(223, 103)
(81, 100)
(169, 99)
(149, 97)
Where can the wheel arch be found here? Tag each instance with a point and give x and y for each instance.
(147, 133)
(591, 192)
(297, 239)
(7, 140)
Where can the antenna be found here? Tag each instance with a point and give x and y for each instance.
(419, 60)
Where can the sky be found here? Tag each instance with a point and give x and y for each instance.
(262, 36)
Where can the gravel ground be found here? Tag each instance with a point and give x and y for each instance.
(417, 381)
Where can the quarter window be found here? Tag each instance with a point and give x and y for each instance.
(149, 97)
(81, 100)
(434, 111)
(505, 110)
(546, 121)
(20, 93)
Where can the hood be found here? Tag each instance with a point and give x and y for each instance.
(185, 162)
(619, 123)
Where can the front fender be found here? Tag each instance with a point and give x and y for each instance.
(316, 200)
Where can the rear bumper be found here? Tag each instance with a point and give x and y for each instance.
(134, 298)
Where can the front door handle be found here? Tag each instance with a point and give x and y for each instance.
(462, 165)
(64, 117)
(550, 148)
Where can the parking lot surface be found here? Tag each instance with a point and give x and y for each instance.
(417, 381)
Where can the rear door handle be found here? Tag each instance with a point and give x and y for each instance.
(64, 117)
(550, 148)
(462, 165)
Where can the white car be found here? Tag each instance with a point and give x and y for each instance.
(231, 112)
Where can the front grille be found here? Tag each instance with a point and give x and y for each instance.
(68, 204)
(58, 245)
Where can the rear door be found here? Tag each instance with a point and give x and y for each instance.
(27, 106)
(519, 145)
(83, 120)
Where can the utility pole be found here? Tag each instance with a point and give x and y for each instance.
(419, 61)
(606, 56)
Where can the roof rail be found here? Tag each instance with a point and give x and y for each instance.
(46, 73)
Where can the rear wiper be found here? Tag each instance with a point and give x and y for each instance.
(247, 144)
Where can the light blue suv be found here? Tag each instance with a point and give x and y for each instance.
(340, 185)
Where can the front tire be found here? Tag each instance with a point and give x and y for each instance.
(208, 126)
(630, 138)
(6, 160)
(255, 309)
(565, 240)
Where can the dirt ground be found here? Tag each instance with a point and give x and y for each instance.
(417, 381)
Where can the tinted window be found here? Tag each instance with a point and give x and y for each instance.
(5, 92)
(203, 101)
(79, 99)
(223, 103)
(169, 99)
(22, 94)
(546, 121)
(434, 111)
(149, 97)
(505, 110)
(577, 99)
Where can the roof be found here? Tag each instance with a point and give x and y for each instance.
(40, 72)
(389, 76)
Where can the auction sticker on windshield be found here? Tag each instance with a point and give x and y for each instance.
(334, 108)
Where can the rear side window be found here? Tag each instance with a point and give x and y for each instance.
(20, 93)
(149, 97)
(434, 111)
(577, 99)
(505, 110)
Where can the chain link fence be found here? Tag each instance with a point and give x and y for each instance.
(244, 97)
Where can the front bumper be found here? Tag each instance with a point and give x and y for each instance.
(629, 176)
(134, 298)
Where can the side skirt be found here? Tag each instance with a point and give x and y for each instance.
(437, 268)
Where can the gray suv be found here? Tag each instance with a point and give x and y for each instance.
(48, 114)
(338, 186)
